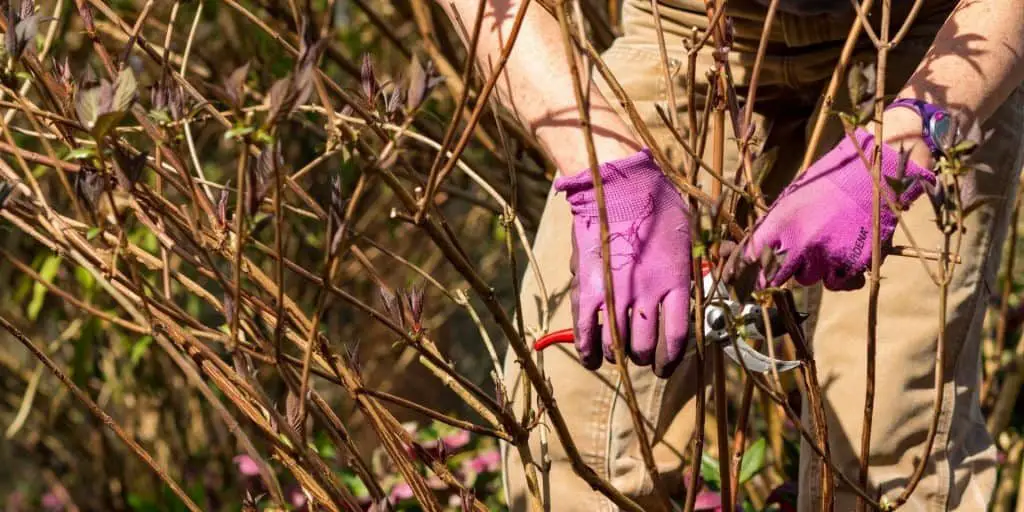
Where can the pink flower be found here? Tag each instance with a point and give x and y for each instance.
(246, 465)
(455, 441)
(296, 497)
(401, 491)
(435, 483)
(485, 462)
(52, 502)
(708, 500)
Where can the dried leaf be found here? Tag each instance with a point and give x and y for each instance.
(168, 97)
(62, 70)
(261, 175)
(393, 103)
(25, 33)
(292, 409)
(338, 200)
(125, 90)
(242, 362)
(6, 193)
(281, 100)
(392, 306)
(414, 303)
(353, 354)
(250, 503)
(85, 12)
(229, 308)
(89, 186)
(234, 86)
(28, 8)
(417, 84)
(129, 167)
(222, 207)
(468, 496)
(368, 79)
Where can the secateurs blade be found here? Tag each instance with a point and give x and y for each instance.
(724, 318)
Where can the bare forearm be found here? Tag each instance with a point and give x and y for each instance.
(537, 86)
(975, 62)
(977, 59)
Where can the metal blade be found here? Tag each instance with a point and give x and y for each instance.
(756, 361)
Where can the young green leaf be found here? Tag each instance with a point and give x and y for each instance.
(81, 153)
(753, 460)
(710, 470)
(46, 274)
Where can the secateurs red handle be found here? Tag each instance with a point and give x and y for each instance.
(718, 307)
(551, 338)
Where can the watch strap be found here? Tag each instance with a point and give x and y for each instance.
(931, 116)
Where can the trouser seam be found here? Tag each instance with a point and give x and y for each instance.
(1000, 222)
(602, 440)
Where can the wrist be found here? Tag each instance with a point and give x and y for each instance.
(634, 186)
(901, 129)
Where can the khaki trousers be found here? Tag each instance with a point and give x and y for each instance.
(962, 466)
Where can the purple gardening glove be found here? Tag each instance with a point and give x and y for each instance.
(822, 221)
(649, 225)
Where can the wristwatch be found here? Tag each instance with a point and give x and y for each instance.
(936, 122)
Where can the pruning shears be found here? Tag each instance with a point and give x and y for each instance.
(724, 319)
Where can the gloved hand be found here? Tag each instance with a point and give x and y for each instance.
(822, 221)
(650, 261)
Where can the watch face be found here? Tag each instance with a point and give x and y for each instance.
(939, 126)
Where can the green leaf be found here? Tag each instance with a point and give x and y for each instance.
(498, 232)
(139, 349)
(82, 153)
(86, 281)
(140, 504)
(105, 123)
(47, 272)
(160, 116)
(698, 249)
(93, 233)
(263, 137)
(87, 106)
(709, 470)
(240, 130)
(897, 185)
(753, 460)
(125, 89)
(354, 484)
(965, 147)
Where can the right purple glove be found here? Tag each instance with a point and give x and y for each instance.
(822, 221)
(650, 262)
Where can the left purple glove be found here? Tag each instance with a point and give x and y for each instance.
(649, 225)
(822, 221)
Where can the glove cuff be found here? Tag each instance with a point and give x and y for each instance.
(634, 187)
